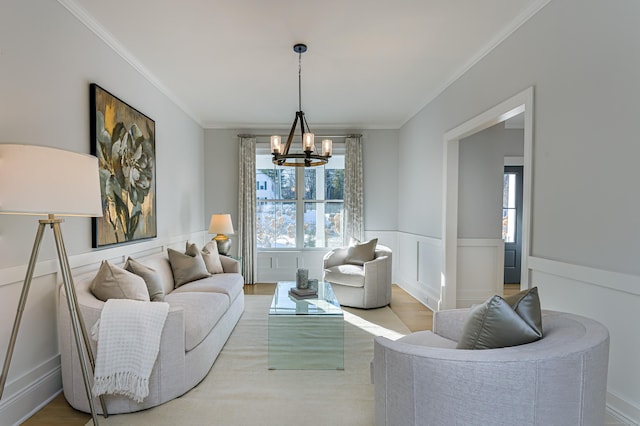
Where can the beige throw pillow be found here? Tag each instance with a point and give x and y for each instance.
(212, 258)
(360, 253)
(187, 267)
(150, 277)
(496, 324)
(113, 282)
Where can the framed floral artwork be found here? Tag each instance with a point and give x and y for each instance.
(123, 139)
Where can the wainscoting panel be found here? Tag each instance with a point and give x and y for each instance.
(282, 265)
(418, 267)
(610, 298)
(276, 266)
(480, 272)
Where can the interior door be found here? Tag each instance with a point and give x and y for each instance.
(512, 223)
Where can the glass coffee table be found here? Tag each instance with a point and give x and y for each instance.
(306, 334)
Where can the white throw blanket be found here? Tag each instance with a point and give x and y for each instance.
(128, 334)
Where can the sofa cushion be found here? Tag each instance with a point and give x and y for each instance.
(427, 338)
(229, 284)
(212, 258)
(150, 276)
(113, 282)
(349, 275)
(201, 313)
(187, 267)
(527, 304)
(361, 253)
(495, 324)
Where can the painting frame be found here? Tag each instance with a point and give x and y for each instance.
(123, 140)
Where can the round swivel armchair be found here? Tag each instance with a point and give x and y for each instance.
(364, 284)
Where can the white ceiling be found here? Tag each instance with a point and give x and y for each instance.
(370, 64)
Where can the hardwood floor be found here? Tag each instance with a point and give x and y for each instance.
(415, 315)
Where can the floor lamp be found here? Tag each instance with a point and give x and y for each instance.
(36, 180)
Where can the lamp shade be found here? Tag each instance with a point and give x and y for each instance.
(38, 180)
(221, 224)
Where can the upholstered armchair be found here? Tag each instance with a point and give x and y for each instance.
(561, 379)
(365, 284)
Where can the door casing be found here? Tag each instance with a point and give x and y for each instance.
(519, 103)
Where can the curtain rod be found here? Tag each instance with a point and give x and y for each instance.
(355, 135)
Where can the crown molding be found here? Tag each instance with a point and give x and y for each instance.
(492, 44)
(87, 20)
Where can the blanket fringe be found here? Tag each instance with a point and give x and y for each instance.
(122, 383)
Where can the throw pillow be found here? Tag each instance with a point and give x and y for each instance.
(527, 305)
(150, 277)
(187, 267)
(495, 324)
(113, 282)
(360, 253)
(212, 258)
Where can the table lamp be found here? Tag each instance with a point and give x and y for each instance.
(221, 225)
(43, 181)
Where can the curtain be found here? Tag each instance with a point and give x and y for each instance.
(247, 208)
(353, 191)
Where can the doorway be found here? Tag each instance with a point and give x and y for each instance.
(520, 103)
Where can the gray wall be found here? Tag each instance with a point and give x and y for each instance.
(581, 57)
(481, 170)
(47, 61)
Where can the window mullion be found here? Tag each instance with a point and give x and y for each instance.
(299, 207)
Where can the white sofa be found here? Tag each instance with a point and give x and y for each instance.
(561, 379)
(201, 317)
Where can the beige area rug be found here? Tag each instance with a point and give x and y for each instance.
(241, 390)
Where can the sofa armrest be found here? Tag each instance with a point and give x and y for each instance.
(378, 270)
(229, 264)
(167, 379)
(334, 257)
(448, 323)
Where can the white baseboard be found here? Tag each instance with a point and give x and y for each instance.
(622, 411)
(30, 399)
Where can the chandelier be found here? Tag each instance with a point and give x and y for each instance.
(309, 157)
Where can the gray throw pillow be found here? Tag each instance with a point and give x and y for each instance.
(360, 253)
(113, 282)
(495, 324)
(527, 304)
(187, 267)
(150, 277)
(212, 258)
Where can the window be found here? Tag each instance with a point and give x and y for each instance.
(299, 207)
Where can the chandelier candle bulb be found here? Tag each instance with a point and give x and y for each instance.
(307, 142)
(327, 147)
(276, 144)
